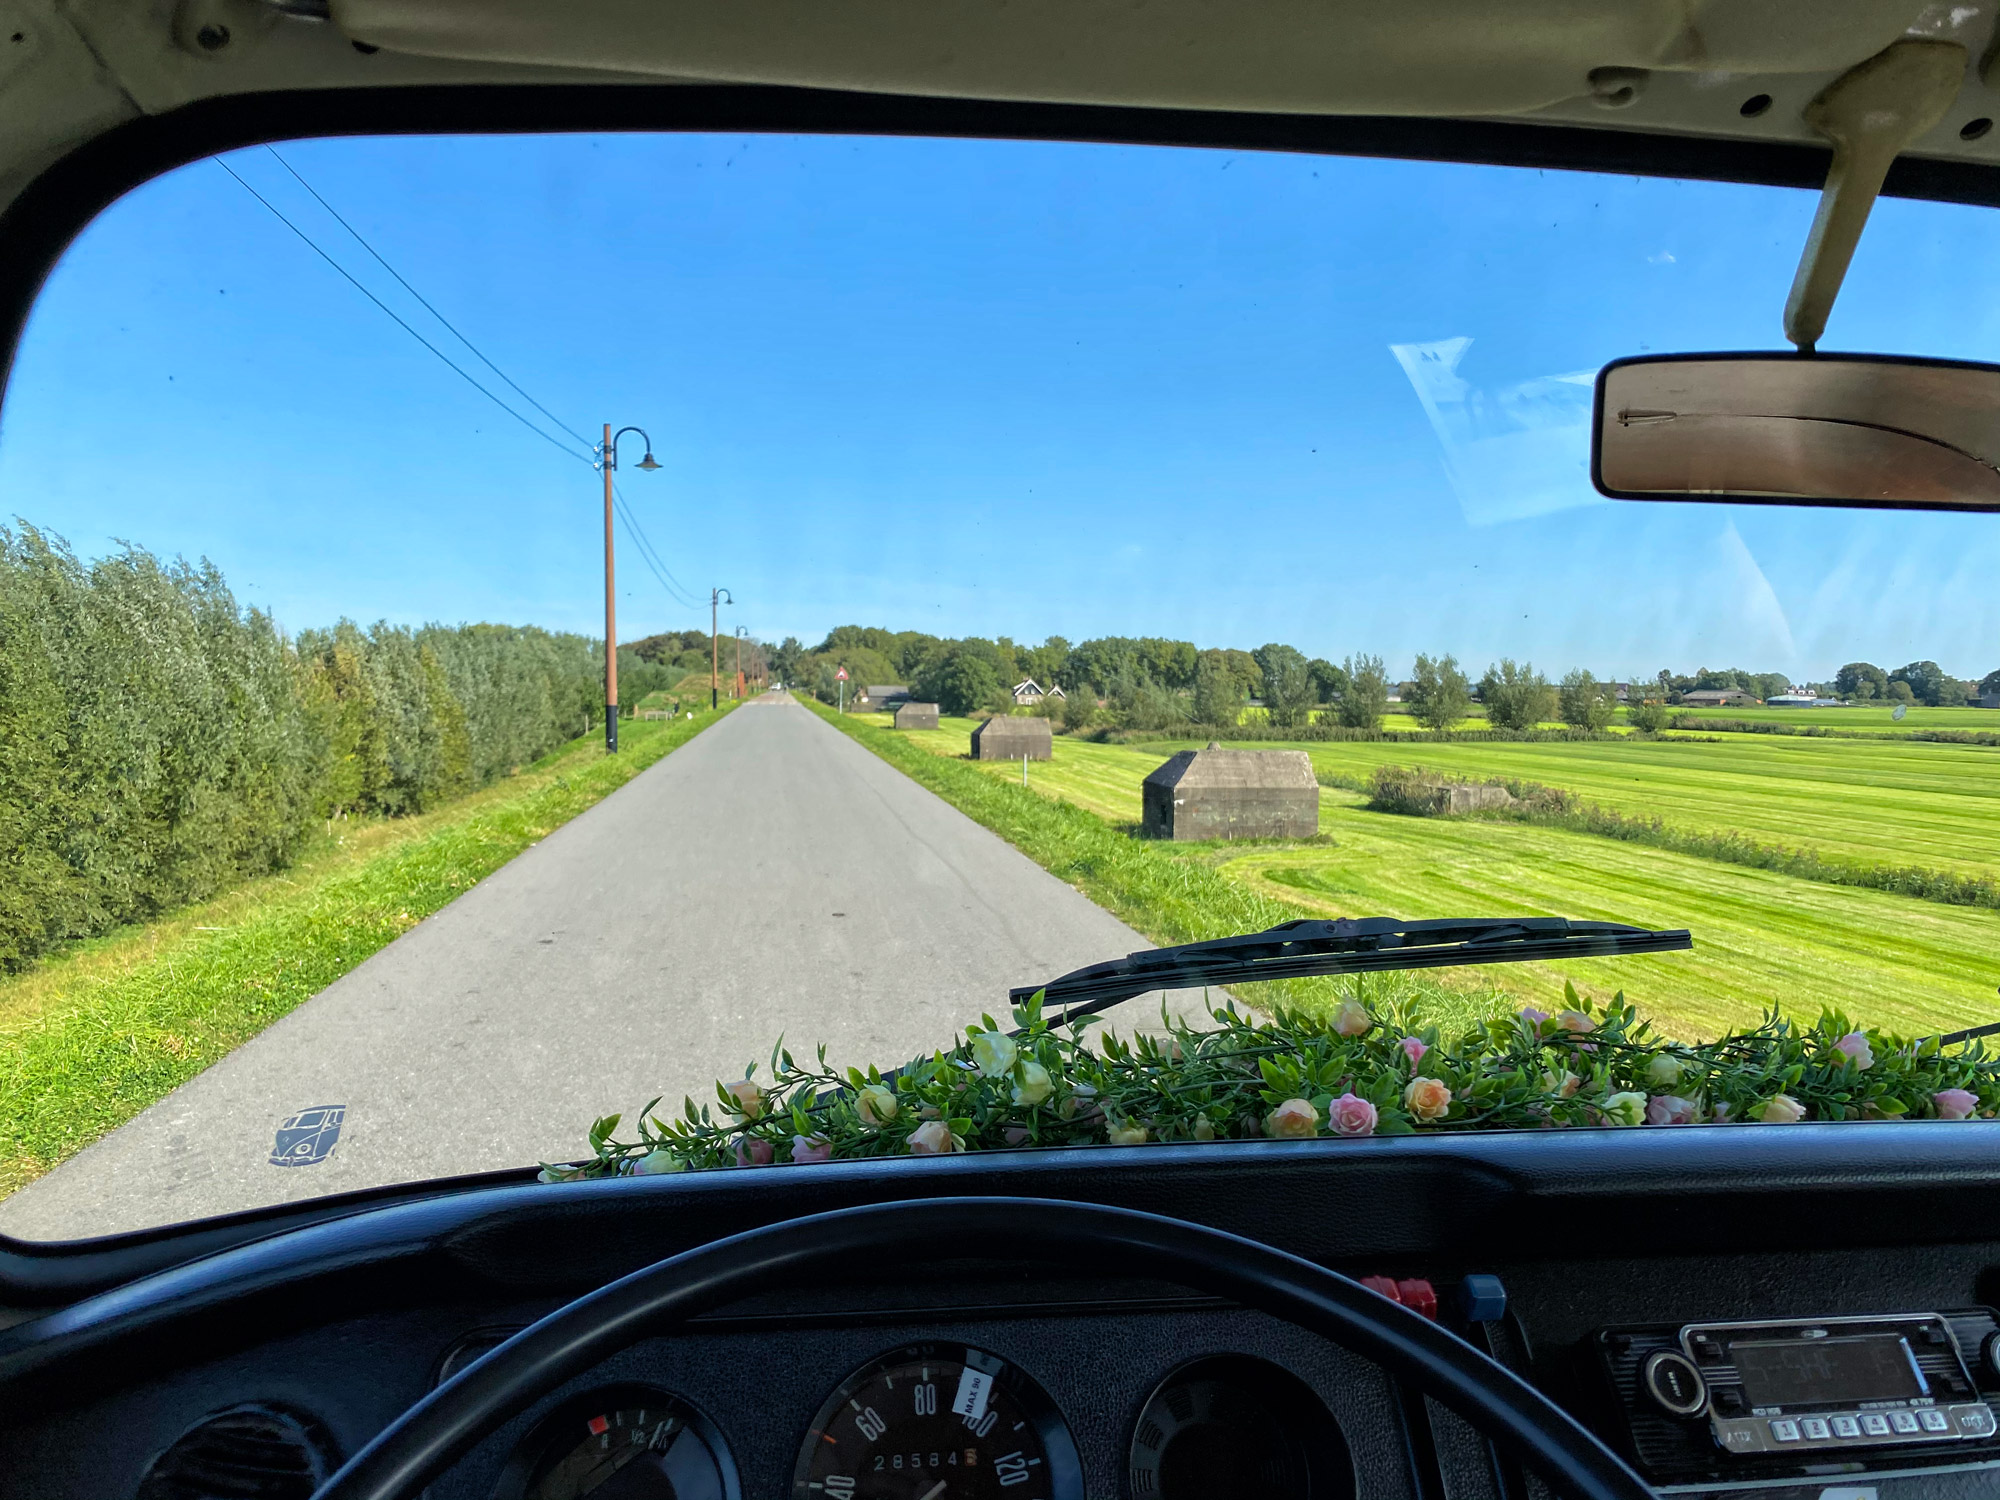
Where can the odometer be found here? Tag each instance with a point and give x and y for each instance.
(938, 1422)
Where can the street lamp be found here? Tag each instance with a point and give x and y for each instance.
(716, 598)
(607, 460)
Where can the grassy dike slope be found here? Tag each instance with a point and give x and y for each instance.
(1761, 938)
(89, 1039)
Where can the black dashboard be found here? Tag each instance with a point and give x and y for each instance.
(1785, 1313)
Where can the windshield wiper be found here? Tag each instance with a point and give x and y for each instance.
(1351, 945)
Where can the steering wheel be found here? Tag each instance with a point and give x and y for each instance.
(430, 1436)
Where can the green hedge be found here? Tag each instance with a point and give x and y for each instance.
(158, 742)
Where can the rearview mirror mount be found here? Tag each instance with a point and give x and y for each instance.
(1843, 430)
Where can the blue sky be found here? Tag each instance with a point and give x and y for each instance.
(977, 387)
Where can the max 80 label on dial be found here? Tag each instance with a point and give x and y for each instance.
(938, 1422)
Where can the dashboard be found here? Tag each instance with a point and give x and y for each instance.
(1781, 1314)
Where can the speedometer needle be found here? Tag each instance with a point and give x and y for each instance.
(933, 1492)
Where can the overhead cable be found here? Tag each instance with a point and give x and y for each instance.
(405, 285)
(558, 443)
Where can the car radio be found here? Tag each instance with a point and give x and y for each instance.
(1706, 1397)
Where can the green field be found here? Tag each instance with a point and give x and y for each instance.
(1873, 716)
(1761, 938)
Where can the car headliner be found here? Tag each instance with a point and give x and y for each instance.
(97, 96)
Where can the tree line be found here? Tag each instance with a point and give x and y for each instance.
(1151, 682)
(158, 741)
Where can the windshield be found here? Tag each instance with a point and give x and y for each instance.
(1023, 555)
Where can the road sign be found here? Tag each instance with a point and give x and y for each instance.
(841, 675)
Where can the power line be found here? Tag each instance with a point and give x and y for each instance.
(391, 312)
(647, 552)
(650, 554)
(400, 281)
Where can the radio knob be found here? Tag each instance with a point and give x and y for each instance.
(1675, 1385)
(1990, 1354)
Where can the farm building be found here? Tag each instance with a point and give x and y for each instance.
(1715, 697)
(882, 697)
(1232, 794)
(1008, 738)
(911, 714)
(1027, 694)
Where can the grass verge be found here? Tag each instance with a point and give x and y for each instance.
(1171, 893)
(89, 1039)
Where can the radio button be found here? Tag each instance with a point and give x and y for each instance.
(1903, 1421)
(1846, 1427)
(1784, 1430)
(1709, 1352)
(1875, 1424)
(1813, 1427)
(1934, 1420)
(1976, 1420)
(1674, 1383)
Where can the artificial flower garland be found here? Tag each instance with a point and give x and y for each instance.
(1360, 1071)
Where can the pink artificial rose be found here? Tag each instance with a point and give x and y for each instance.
(810, 1148)
(1782, 1109)
(1955, 1104)
(1720, 1113)
(1669, 1109)
(1414, 1049)
(1294, 1120)
(1015, 1135)
(749, 1097)
(1562, 1084)
(753, 1153)
(1350, 1115)
(1427, 1098)
(1532, 1018)
(1352, 1019)
(933, 1138)
(1854, 1047)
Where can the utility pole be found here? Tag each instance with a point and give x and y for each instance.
(607, 460)
(739, 661)
(714, 657)
(610, 612)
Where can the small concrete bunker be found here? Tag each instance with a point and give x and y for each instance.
(1012, 738)
(916, 716)
(1232, 794)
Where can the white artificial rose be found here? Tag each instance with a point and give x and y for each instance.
(994, 1053)
(1035, 1085)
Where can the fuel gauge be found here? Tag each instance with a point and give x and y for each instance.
(627, 1442)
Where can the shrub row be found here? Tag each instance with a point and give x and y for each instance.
(1340, 734)
(158, 742)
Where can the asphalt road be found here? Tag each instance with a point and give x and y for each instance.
(769, 877)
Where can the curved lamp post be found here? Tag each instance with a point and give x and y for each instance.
(716, 598)
(607, 460)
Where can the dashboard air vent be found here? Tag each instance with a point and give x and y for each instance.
(251, 1452)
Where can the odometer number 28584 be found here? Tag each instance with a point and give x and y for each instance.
(937, 1422)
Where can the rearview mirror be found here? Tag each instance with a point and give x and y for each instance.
(1799, 429)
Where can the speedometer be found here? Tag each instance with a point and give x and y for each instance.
(938, 1422)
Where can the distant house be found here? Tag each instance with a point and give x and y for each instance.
(882, 697)
(1028, 693)
(1715, 697)
(1622, 691)
(1989, 700)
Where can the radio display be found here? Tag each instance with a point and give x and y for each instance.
(1800, 1372)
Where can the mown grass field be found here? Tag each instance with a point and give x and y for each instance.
(1761, 938)
(90, 1038)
